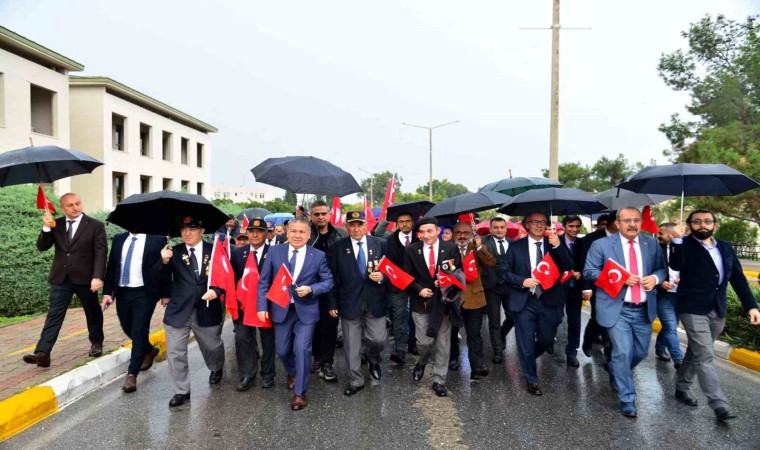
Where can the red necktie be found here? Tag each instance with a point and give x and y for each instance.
(633, 267)
(406, 244)
(431, 262)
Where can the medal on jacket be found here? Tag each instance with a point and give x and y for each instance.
(371, 266)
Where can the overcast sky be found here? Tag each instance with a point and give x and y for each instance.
(335, 79)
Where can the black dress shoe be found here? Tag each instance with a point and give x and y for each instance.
(244, 384)
(375, 372)
(418, 372)
(498, 358)
(586, 350)
(351, 390)
(572, 361)
(215, 377)
(96, 350)
(534, 389)
(179, 399)
(686, 398)
(398, 359)
(662, 354)
(454, 364)
(550, 349)
(677, 363)
(440, 390)
(477, 374)
(724, 414)
(267, 384)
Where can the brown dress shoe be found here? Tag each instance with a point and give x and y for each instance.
(130, 384)
(291, 382)
(96, 350)
(148, 360)
(42, 359)
(298, 403)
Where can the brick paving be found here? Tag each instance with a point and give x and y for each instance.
(70, 351)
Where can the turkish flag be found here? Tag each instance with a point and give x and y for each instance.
(244, 224)
(43, 202)
(220, 274)
(247, 293)
(337, 213)
(390, 198)
(395, 275)
(647, 220)
(546, 272)
(470, 267)
(566, 275)
(371, 221)
(279, 291)
(612, 278)
(466, 218)
(447, 279)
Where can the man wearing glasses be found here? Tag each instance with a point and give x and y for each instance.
(706, 266)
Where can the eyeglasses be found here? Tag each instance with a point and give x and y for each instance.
(629, 221)
(537, 222)
(319, 214)
(700, 221)
(405, 221)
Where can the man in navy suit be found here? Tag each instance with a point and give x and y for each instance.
(294, 325)
(536, 311)
(573, 287)
(628, 316)
(133, 283)
(359, 297)
(707, 266)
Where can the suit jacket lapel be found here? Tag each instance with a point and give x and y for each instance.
(80, 229)
(645, 256)
(617, 250)
(184, 259)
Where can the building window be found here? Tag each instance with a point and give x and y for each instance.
(118, 127)
(145, 132)
(43, 110)
(167, 184)
(166, 146)
(183, 151)
(217, 194)
(226, 195)
(199, 155)
(145, 182)
(118, 187)
(199, 190)
(185, 186)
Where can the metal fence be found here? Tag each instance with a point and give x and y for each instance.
(747, 251)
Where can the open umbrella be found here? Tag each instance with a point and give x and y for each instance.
(278, 218)
(306, 175)
(689, 180)
(43, 164)
(615, 199)
(162, 212)
(518, 185)
(467, 203)
(417, 208)
(253, 212)
(552, 202)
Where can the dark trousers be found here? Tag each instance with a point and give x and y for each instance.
(497, 299)
(400, 321)
(247, 350)
(593, 329)
(454, 344)
(325, 336)
(473, 321)
(60, 299)
(535, 326)
(573, 305)
(135, 310)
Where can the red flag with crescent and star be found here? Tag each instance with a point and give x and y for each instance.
(220, 274)
(447, 279)
(470, 267)
(43, 202)
(647, 221)
(546, 272)
(612, 278)
(279, 291)
(337, 213)
(244, 224)
(371, 220)
(395, 275)
(566, 275)
(247, 293)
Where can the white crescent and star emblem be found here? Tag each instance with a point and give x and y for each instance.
(282, 282)
(619, 275)
(244, 279)
(471, 266)
(391, 272)
(543, 263)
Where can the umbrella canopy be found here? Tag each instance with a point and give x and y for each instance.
(43, 164)
(253, 212)
(278, 218)
(467, 203)
(417, 208)
(483, 228)
(162, 212)
(306, 175)
(518, 185)
(514, 230)
(552, 202)
(615, 198)
(690, 180)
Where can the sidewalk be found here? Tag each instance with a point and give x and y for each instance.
(70, 351)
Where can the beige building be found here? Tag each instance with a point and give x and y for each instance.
(145, 145)
(239, 194)
(34, 95)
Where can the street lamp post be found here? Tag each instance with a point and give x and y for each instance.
(430, 142)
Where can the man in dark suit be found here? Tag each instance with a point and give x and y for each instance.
(422, 260)
(706, 266)
(191, 306)
(497, 290)
(294, 325)
(536, 311)
(246, 347)
(132, 282)
(79, 266)
(668, 346)
(573, 287)
(628, 316)
(272, 237)
(359, 298)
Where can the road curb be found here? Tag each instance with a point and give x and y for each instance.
(26, 408)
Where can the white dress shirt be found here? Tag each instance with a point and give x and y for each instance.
(639, 259)
(532, 252)
(402, 238)
(355, 244)
(504, 241)
(135, 265)
(426, 252)
(300, 258)
(198, 254)
(74, 224)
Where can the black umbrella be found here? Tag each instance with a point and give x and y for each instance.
(306, 175)
(417, 208)
(43, 164)
(615, 199)
(253, 212)
(518, 185)
(689, 180)
(162, 212)
(467, 203)
(552, 202)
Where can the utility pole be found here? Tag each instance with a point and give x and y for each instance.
(371, 187)
(430, 143)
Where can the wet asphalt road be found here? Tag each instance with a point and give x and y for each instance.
(578, 410)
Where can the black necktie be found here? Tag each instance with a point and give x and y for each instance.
(194, 263)
(570, 247)
(70, 231)
(256, 256)
(501, 248)
(539, 256)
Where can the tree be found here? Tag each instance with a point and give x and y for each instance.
(721, 72)
(379, 185)
(604, 174)
(290, 198)
(443, 189)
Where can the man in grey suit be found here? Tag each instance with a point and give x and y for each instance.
(628, 316)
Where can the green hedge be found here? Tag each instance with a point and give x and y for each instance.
(738, 331)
